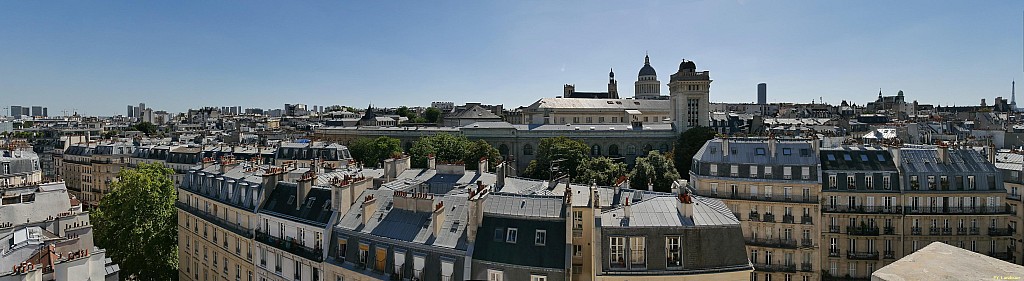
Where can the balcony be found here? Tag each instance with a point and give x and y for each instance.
(833, 229)
(806, 243)
(754, 216)
(861, 255)
(806, 219)
(772, 242)
(768, 217)
(961, 231)
(788, 218)
(762, 197)
(219, 222)
(982, 210)
(775, 267)
(833, 253)
(947, 231)
(1006, 256)
(1000, 231)
(915, 231)
(806, 267)
(891, 255)
(862, 209)
(974, 230)
(289, 245)
(1014, 197)
(862, 230)
(933, 231)
(888, 230)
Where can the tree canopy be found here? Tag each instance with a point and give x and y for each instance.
(568, 154)
(687, 145)
(601, 170)
(372, 151)
(137, 223)
(655, 168)
(144, 127)
(453, 148)
(433, 115)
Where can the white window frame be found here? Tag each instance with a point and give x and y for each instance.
(511, 235)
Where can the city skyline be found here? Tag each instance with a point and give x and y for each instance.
(98, 57)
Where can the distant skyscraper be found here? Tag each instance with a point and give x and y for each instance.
(45, 113)
(1013, 96)
(131, 111)
(37, 111)
(16, 111)
(762, 93)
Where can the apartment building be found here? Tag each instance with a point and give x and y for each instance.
(771, 186)
(19, 168)
(304, 154)
(522, 237)
(862, 210)
(886, 203)
(1010, 165)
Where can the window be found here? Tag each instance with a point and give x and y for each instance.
(540, 238)
(673, 253)
(787, 172)
(495, 275)
(637, 252)
(527, 149)
(931, 183)
(869, 181)
(753, 171)
(617, 246)
(970, 183)
(832, 181)
(914, 184)
(767, 171)
(885, 183)
(577, 250)
(511, 235)
(538, 278)
(714, 188)
(342, 246)
(805, 173)
(851, 182)
(577, 219)
(759, 151)
(380, 259)
(787, 151)
(713, 169)
(499, 234)
(734, 171)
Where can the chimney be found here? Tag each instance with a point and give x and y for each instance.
(437, 218)
(271, 176)
(990, 151)
(389, 169)
(943, 153)
(475, 207)
(627, 211)
(725, 146)
(772, 142)
(305, 184)
(431, 162)
(482, 166)
(650, 185)
(499, 179)
(685, 205)
(369, 207)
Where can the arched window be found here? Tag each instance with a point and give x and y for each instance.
(503, 149)
(595, 150)
(647, 148)
(631, 149)
(527, 149)
(613, 150)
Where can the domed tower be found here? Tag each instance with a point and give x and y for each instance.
(689, 92)
(647, 85)
(613, 87)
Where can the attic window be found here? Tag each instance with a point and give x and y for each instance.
(847, 157)
(863, 158)
(759, 151)
(831, 157)
(327, 204)
(291, 199)
(881, 157)
(309, 202)
(787, 151)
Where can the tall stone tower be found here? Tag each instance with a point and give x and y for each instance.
(689, 92)
(647, 85)
(613, 87)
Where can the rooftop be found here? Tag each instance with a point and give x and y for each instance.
(939, 261)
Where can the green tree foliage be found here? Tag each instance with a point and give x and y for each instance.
(687, 145)
(601, 170)
(404, 111)
(453, 148)
(144, 127)
(433, 115)
(569, 155)
(136, 223)
(372, 151)
(653, 167)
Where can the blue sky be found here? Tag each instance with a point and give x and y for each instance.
(97, 57)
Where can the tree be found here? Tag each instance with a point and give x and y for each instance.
(433, 115)
(568, 153)
(452, 149)
(372, 151)
(655, 168)
(136, 223)
(403, 111)
(144, 127)
(687, 145)
(601, 170)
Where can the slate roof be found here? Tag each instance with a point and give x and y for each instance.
(524, 206)
(527, 214)
(861, 158)
(657, 209)
(746, 152)
(925, 160)
(601, 104)
(314, 210)
(19, 162)
(409, 226)
(474, 112)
